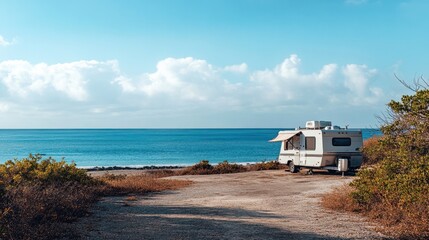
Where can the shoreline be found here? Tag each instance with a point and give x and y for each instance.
(158, 167)
(95, 169)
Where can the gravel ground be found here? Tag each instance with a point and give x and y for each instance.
(250, 205)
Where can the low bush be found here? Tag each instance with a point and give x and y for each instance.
(201, 168)
(395, 192)
(271, 165)
(204, 168)
(38, 197)
(41, 211)
(226, 167)
(33, 168)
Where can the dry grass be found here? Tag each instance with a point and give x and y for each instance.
(340, 199)
(160, 173)
(40, 211)
(406, 222)
(410, 222)
(138, 184)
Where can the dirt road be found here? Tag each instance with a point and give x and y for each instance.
(251, 205)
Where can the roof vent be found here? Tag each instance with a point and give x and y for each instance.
(317, 124)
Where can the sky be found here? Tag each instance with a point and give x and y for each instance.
(206, 63)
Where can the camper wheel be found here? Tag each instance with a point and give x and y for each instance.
(292, 167)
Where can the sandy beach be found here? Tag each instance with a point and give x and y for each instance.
(252, 205)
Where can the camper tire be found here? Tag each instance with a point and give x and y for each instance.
(292, 167)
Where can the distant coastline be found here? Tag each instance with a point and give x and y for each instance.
(94, 169)
(152, 167)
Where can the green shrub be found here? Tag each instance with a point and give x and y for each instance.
(373, 150)
(33, 168)
(395, 189)
(39, 195)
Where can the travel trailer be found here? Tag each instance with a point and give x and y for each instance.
(320, 146)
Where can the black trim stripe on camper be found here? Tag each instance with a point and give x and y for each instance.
(325, 154)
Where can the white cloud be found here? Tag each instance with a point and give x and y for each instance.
(181, 89)
(240, 68)
(180, 79)
(288, 71)
(286, 83)
(357, 79)
(125, 83)
(4, 42)
(24, 79)
(289, 67)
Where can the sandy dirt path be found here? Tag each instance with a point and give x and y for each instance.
(251, 205)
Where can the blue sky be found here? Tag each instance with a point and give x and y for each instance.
(253, 63)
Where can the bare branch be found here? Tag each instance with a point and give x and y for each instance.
(418, 83)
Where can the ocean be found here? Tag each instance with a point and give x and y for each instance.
(143, 147)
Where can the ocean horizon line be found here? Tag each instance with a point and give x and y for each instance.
(167, 128)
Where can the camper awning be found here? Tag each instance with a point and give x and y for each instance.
(284, 136)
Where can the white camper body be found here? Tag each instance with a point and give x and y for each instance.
(320, 145)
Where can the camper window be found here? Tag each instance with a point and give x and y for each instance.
(288, 145)
(310, 143)
(341, 142)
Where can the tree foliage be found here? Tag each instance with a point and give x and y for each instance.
(397, 187)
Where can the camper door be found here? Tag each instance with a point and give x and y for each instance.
(297, 145)
(308, 152)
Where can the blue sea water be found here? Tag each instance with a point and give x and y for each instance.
(144, 147)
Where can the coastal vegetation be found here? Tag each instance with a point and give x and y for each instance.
(204, 167)
(393, 187)
(39, 198)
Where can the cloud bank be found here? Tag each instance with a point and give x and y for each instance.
(182, 87)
